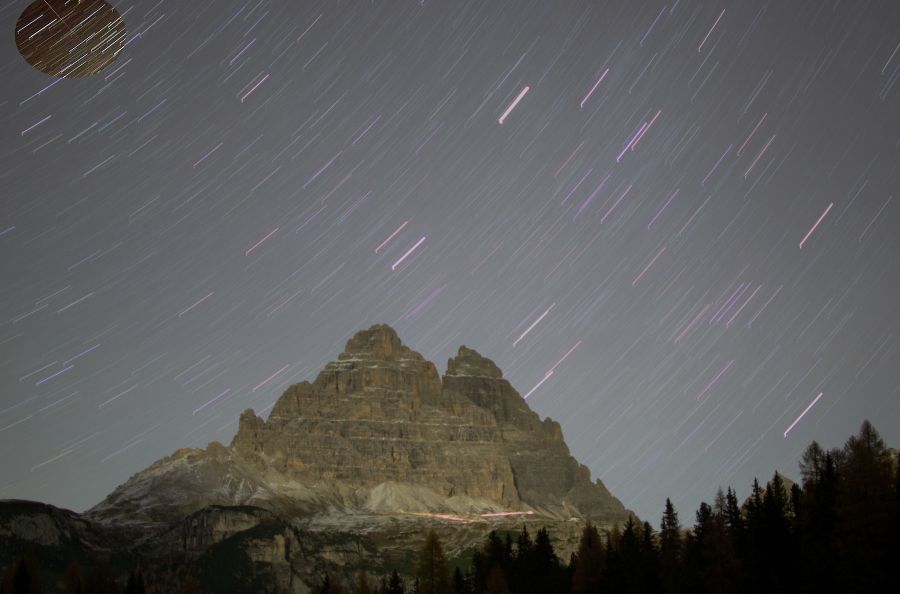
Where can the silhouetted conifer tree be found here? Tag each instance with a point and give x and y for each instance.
(395, 584)
(734, 520)
(589, 562)
(494, 553)
(721, 564)
(521, 575)
(624, 563)
(433, 574)
(775, 569)
(812, 463)
(545, 572)
(651, 581)
(817, 525)
(479, 572)
(497, 583)
(670, 549)
(23, 578)
(866, 499)
(460, 584)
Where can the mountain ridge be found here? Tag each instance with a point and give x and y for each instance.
(378, 414)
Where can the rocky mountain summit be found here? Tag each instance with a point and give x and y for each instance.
(349, 469)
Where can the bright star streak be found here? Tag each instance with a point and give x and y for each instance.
(531, 391)
(711, 30)
(810, 232)
(566, 356)
(268, 379)
(512, 105)
(408, 252)
(806, 410)
(596, 84)
(259, 243)
(533, 324)
(196, 304)
(392, 236)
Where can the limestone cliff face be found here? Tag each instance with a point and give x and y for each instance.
(381, 413)
(379, 431)
(547, 477)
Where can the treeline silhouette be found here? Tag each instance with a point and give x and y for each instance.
(837, 532)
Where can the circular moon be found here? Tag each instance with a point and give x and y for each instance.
(70, 38)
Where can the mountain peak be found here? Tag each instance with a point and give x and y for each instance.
(470, 362)
(380, 414)
(379, 342)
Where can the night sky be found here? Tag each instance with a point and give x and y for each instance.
(688, 211)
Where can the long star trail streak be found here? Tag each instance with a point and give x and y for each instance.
(813, 228)
(805, 410)
(391, 236)
(714, 380)
(270, 378)
(250, 250)
(721, 14)
(254, 87)
(594, 88)
(196, 303)
(211, 401)
(33, 126)
(533, 324)
(755, 128)
(538, 385)
(512, 105)
(407, 253)
(647, 267)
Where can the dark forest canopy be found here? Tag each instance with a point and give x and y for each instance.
(836, 531)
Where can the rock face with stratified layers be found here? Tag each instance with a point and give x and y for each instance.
(381, 413)
(380, 419)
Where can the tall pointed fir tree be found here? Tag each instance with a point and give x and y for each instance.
(395, 584)
(433, 573)
(670, 550)
(589, 562)
(866, 499)
(460, 584)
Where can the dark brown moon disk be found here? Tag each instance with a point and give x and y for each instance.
(70, 38)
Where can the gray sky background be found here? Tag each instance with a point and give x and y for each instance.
(194, 229)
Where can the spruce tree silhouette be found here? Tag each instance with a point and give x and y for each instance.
(433, 573)
(589, 564)
(395, 584)
(670, 549)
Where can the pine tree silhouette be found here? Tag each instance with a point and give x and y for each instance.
(433, 574)
(670, 549)
(589, 564)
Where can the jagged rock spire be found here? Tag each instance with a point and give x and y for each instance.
(379, 342)
(470, 362)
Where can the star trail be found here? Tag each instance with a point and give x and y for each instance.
(699, 196)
